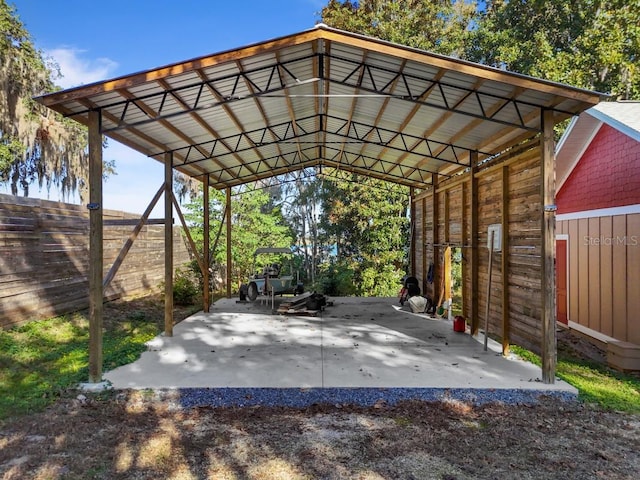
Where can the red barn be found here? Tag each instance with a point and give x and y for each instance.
(598, 229)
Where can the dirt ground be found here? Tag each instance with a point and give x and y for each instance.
(140, 435)
(146, 435)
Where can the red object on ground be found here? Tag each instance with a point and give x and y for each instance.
(459, 324)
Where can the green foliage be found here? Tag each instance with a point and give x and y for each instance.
(256, 222)
(367, 221)
(586, 43)
(380, 280)
(596, 383)
(456, 279)
(36, 144)
(441, 26)
(10, 149)
(186, 290)
(15, 41)
(41, 360)
(301, 204)
(336, 279)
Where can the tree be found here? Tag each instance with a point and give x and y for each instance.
(366, 220)
(593, 44)
(441, 26)
(301, 204)
(35, 143)
(253, 225)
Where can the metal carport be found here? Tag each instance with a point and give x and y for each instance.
(318, 98)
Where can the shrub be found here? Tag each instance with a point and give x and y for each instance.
(336, 279)
(185, 288)
(380, 280)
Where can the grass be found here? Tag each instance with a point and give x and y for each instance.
(40, 361)
(595, 382)
(44, 360)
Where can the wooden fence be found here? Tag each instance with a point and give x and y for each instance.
(44, 254)
(510, 195)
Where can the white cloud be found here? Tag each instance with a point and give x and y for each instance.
(77, 70)
(138, 179)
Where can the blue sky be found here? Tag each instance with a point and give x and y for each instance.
(93, 41)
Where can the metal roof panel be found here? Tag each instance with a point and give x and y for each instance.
(245, 113)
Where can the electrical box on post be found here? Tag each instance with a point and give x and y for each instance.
(496, 228)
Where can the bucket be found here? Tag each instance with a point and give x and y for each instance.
(459, 324)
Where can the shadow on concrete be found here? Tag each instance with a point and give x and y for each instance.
(356, 343)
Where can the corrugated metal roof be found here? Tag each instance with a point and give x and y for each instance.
(321, 97)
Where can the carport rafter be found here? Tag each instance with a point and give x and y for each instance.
(194, 115)
(231, 176)
(259, 106)
(228, 110)
(382, 109)
(347, 129)
(476, 122)
(278, 73)
(409, 116)
(453, 98)
(321, 90)
(92, 107)
(290, 109)
(351, 160)
(548, 106)
(317, 170)
(178, 133)
(353, 163)
(359, 170)
(455, 103)
(226, 178)
(343, 175)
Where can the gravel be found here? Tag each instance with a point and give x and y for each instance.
(304, 397)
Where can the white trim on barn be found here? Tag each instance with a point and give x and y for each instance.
(601, 212)
(578, 154)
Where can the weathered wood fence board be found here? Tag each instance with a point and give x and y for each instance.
(523, 247)
(44, 255)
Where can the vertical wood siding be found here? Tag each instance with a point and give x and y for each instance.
(524, 208)
(604, 274)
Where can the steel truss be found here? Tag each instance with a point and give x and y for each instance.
(409, 175)
(278, 78)
(330, 173)
(298, 132)
(271, 79)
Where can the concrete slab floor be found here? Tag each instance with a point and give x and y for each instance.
(356, 343)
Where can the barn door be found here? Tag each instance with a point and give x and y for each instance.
(561, 281)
